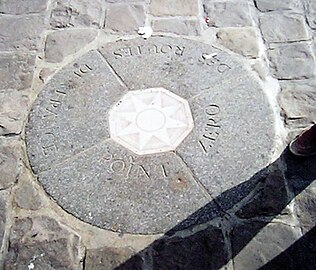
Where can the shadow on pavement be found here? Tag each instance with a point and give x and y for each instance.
(192, 244)
(300, 256)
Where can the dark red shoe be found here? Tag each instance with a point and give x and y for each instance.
(305, 143)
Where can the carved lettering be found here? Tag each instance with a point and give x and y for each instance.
(211, 128)
(48, 145)
(166, 49)
(223, 68)
(212, 109)
(60, 92)
(164, 172)
(128, 167)
(118, 166)
(52, 108)
(214, 60)
(142, 171)
(82, 70)
(179, 50)
(148, 50)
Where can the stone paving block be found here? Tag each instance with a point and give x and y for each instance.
(22, 7)
(255, 243)
(270, 198)
(306, 207)
(21, 33)
(16, 71)
(133, 195)
(42, 243)
(204, 250)
(10, 156)
(297, 100)
(4, 196)
(177, 26)
(228, 14)
(71, 85)
(301, 255)
(311, 13)
(72, 13)
(112, 258)
(174, 7)
(268, 5)
(292, 61)
(301, 175)
(62, 43)
(125, 18)
(283, 27)
(240, 40)
(311, 20)
(13, 111)
(27, 195)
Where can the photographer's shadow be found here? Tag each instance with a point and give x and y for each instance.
(213, 236)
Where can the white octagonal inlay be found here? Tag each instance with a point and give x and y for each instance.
(150, 121)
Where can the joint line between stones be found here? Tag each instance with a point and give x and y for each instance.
(209, 89)
(200, 185)
(117, 76)
(75, 155)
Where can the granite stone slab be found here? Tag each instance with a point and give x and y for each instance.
(70, 114)
(4, 196)
(182, 66)
(113, 188)
(232, 138)
(43, 243)
(105, 184)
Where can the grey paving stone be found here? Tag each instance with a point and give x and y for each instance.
(21, 33)
(22, 7)
(174, 7)
(292, 61)
(311, 13)
(72, 13)
(125, 18)
(62, 43)
(16, 71)
(14, 107)
(267, 5)
(283, 27)
(270, 198)
(225, 136)
(112, 258)
(175, 64)
(149, 193)
(57, 126)
(240, 40)
(177, 26)
(136, 194)
(26, 195)
(41, 242)
(301, 255)
(10, 156)
(4, 195)
(301, 176)
(228, 14)
(204, 250)
(255, 243)
(306, 207)
(297, 100)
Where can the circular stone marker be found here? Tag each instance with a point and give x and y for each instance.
(139, 135)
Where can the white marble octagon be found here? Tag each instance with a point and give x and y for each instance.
(150, 121)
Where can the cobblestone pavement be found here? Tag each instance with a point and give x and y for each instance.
(272, 227)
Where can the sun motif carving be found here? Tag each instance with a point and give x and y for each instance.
(150, 121)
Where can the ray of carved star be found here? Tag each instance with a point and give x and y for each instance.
(150, 121)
